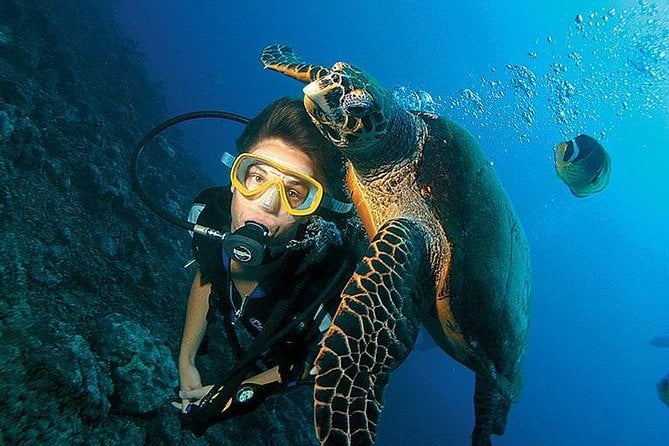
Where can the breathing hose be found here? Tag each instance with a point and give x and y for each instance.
(148, 137)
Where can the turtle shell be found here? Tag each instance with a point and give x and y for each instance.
(488, 283)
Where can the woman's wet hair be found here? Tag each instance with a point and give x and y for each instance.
(287, 120)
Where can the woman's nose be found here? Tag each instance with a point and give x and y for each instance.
(270, 200)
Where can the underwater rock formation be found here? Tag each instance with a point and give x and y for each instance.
(142, 368)
(92, 289)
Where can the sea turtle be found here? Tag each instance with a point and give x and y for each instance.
(446, 251)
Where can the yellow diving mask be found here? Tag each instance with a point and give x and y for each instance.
(253, 175)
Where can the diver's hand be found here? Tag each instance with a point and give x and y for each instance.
(190, 381)
(196, 394)
(190, 397)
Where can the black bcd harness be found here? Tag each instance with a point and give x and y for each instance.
(236, 393)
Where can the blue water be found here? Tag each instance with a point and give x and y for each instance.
(600, 265)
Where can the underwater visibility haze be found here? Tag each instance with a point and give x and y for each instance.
(93, 289)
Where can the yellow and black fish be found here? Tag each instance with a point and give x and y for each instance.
(583, 165)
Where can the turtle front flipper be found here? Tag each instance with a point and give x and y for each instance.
(283, 59)
(372, 333)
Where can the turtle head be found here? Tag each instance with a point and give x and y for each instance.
(348, 106)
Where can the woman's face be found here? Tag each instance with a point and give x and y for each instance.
(268, 209)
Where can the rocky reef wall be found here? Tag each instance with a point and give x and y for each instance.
(92, 288)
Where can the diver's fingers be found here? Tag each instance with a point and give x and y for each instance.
(194, 394)
(178, 406)
(184, 406)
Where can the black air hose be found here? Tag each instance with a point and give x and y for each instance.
(149, 136)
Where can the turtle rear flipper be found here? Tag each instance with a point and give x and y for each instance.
(491, 410)
(285, 60)
(372, 334)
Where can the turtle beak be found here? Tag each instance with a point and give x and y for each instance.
(319, 94)
(311, 93)
(322, 104)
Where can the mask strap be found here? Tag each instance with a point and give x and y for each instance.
(228, 159)
(340, 207)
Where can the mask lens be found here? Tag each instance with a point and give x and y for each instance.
(253, 175)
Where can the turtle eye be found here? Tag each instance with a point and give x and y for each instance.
(358, 103)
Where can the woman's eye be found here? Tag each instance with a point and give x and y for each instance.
(294, 195)
(254, 179)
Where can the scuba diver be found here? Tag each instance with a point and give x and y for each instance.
(290, 245)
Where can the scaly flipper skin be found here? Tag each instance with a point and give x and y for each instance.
(283, 59)
(372, 333)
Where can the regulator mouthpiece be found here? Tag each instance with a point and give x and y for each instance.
(248, 244)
